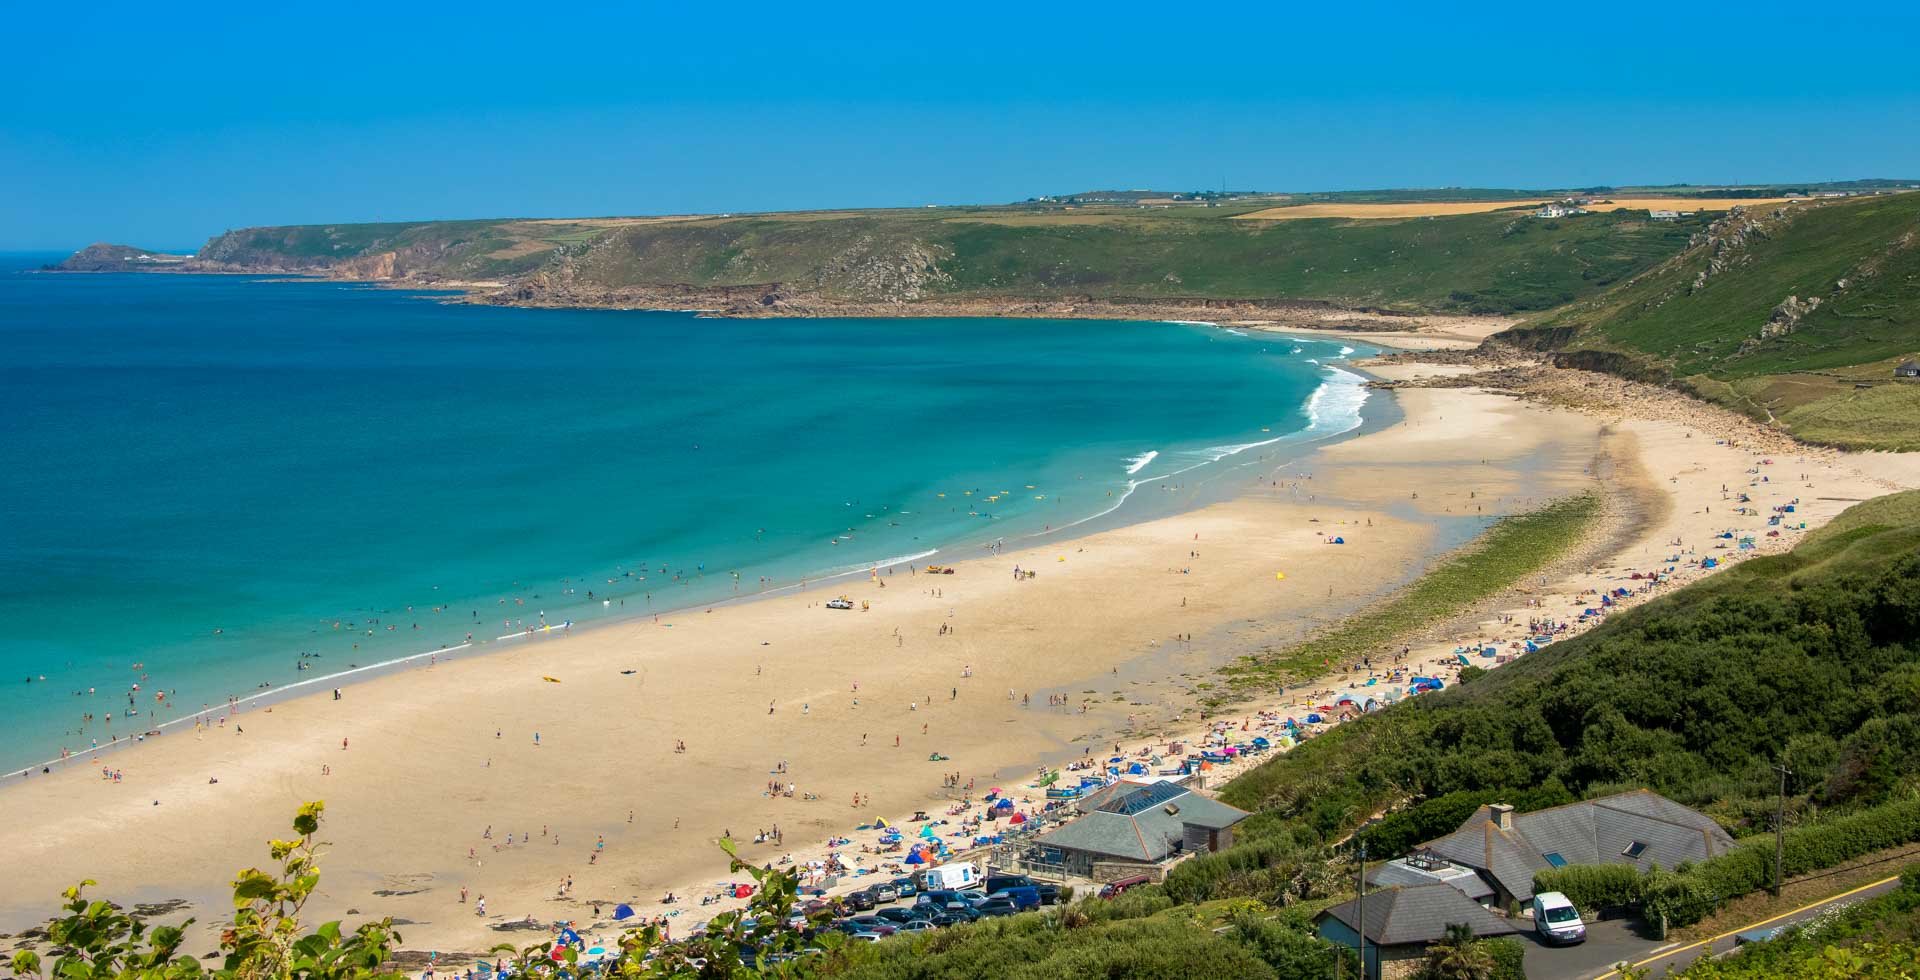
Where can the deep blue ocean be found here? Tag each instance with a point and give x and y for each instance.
(208, 477)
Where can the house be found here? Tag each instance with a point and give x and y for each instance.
(1402, 921)
(1133, 828)
(1641, 828)
(1907, 369)
(1664, 215)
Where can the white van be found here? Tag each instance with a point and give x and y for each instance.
(1557, 921)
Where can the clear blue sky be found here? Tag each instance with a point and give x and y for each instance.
(160, 123)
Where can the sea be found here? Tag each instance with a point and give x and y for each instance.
(215, 486)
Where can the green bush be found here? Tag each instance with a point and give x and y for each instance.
(1684, 899)
(1507, 953)
(1592, 887)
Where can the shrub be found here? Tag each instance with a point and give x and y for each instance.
(1507, 953)
(1592, 887)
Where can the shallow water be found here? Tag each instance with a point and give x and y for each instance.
(209, 477)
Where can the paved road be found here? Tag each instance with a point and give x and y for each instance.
(1614, 941)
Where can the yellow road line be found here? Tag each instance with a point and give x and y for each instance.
(1753, 925)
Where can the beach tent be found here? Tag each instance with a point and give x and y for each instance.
(1005, 804)
(1018, 818)
(881, 824)
(927, 831)
(1339, 540)
(914, 857)
(622, 912)
(742, 891)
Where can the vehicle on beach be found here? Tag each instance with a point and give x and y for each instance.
(840, 603)
(939, 569)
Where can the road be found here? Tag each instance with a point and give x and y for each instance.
(1614, 941)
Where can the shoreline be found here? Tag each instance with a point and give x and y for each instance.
(1110, 634)
(1380, 412)
(1098, 620)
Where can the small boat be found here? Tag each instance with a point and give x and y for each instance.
(939, 570)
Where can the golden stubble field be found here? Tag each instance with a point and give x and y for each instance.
(1416, 209)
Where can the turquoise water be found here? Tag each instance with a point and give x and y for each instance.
(209, 477)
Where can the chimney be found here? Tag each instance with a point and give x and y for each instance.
(1502, 816)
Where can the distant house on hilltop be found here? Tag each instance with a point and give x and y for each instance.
(1907, 369)
(1664, 215)
(1641, 828)
(1558, 210)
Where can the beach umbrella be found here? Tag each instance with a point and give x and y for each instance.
(622, 912)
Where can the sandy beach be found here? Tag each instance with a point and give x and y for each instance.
(429, 774)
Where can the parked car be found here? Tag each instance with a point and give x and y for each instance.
(861, 900)
(885, 893)
(873, 923)
(1049, 894)
(1120, 885)
(1556, 920)
(899, 915)
(937, 898)
(906, 887)
(918, 925)
(1023, 897)
(997, 906)
(945, 919)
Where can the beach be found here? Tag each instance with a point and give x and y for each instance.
(556, 759)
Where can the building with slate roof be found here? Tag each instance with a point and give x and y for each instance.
(1640, 827)
(1402, 921)
(1426, 868)
(1133, 829)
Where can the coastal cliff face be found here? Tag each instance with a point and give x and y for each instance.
(968, 261)
(104, 257)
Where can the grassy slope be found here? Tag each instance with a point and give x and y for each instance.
(1693, 694)
(1511, 550)
(1477, 263)
(1708, 336)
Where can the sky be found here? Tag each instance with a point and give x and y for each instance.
(161, 124)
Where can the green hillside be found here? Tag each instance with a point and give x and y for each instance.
(1483, 263)
(1779, 313)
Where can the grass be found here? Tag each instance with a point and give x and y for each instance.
(1700, 316)
(1467, 263)
(1512, 549)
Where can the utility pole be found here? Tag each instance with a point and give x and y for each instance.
(1362, 915)
(1780, 829)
